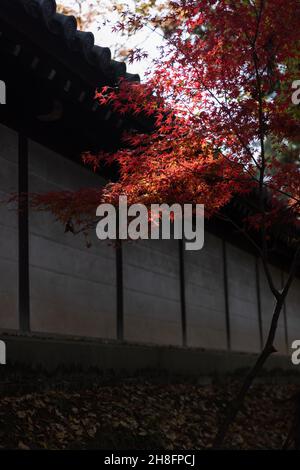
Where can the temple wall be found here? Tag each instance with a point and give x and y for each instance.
(9, 230)
(73, 288)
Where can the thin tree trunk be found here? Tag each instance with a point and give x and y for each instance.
(235, 406)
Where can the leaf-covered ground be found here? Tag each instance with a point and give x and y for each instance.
(82, 412)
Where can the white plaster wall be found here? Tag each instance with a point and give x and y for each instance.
(243, 303)
(72, 287)
(152, 292)
(9, 230)
(205, 298)
(293, 312)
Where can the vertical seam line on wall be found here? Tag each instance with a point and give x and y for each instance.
(226, 295)
(23, 234)
(120, 294)
(182, 292)
(259, 309)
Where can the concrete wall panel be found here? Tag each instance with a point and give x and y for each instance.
(152, 292)
(243, 302)
(293, 312)
(9, 230)
(205, 300)
(72, 287)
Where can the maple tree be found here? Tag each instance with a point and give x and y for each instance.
(219, 100)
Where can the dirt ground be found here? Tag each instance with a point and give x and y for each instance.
(88, 411)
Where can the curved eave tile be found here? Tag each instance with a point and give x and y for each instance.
(82, 42)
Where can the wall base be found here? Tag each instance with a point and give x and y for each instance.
(51, 353)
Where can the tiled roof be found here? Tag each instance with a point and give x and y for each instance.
(83, 43)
